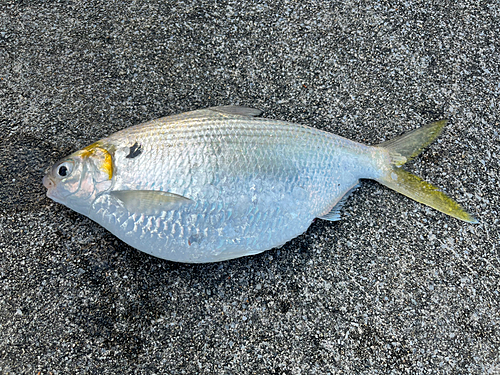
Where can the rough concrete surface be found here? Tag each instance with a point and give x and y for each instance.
(394, 287)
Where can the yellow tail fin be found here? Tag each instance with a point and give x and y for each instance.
(403, 149)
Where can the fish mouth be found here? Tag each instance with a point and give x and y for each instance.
(48, 182)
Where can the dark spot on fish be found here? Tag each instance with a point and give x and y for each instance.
(135, 151)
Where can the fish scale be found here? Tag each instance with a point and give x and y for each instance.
(219, 183)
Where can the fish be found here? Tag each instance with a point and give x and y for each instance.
(221, 183)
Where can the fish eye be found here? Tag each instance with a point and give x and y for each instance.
(64, 169)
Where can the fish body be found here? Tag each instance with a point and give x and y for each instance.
(221, 183)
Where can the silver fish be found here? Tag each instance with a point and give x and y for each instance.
(220, 183)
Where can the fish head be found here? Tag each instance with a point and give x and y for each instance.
(79, 178)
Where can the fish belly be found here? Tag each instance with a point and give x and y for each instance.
(255, 185)
(208, 231)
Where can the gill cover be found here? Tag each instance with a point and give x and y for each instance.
(100, 157)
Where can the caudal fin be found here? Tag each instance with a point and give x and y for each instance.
(405, 148)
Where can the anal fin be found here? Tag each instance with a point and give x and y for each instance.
(334, 214)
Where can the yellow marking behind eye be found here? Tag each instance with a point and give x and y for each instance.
(95, 149)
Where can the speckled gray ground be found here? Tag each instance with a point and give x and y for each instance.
(392, 288)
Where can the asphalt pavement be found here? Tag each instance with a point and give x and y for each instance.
(394, 287)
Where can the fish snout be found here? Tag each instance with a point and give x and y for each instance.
(48, 182)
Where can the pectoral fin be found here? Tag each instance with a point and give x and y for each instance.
(150, 202)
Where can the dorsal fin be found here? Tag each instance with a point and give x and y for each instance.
(237, 110)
